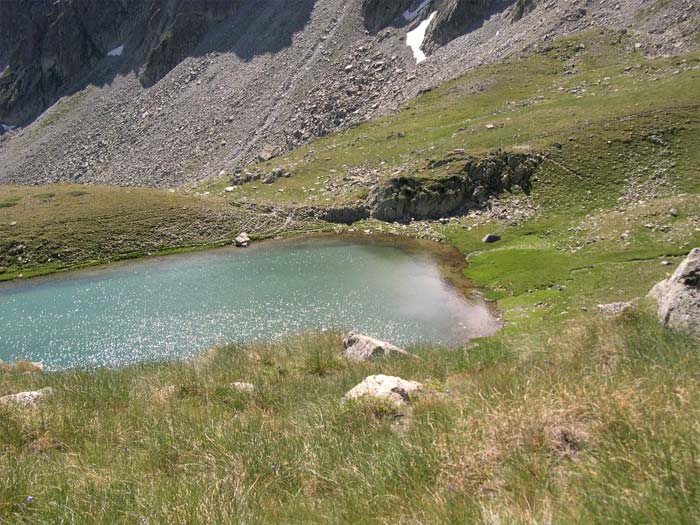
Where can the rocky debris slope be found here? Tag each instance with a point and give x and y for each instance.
(266, 77)
(48, 47)
(679, 296)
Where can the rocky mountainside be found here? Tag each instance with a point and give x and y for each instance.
(170, 92)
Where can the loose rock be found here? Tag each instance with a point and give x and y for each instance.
(491, 238)
(243, 387)
(394, 389)
(614, 309)
(242, 241)
(363, 348)
(26, 399)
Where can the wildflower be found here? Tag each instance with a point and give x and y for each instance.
(448, 391)
(274, 468)
(30, 499)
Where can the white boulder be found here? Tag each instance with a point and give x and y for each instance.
(26, 399)
(394, 389)
(678, 296)
(363, 348)
(248, 388)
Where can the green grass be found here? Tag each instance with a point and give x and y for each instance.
(533, 103)
(71, 227)
(9, 202)
(596, 425)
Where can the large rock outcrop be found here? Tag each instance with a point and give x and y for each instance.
(48, 48)
(378, 14)
(456, 17)
(679, 296)
(405, 198)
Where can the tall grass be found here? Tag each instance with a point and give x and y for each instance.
(598, 425)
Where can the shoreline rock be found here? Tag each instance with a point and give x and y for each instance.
(360, 347)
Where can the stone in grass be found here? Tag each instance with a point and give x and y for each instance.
(242, 240)
(247, 388)
(26, 399)
(392, 388)
(490, 238)
(360, 347)
(615, 309)
(678, 296)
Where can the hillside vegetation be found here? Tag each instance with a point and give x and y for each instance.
(565, 416)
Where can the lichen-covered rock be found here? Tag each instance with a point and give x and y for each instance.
(247, 388)
(679, 296)
(614, 309)
(363, 348)
(405, 198)
(26, 399)
(392, 388)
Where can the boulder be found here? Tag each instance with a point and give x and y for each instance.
(678, 297)
(363, 348)
(26, 399)
(247, 388)
(392, 388)
(614, 309)
(242, 241)
(491, 238)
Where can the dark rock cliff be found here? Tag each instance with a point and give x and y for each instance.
(47, 47)
(378, 14)
(456, 17)
(406, 198)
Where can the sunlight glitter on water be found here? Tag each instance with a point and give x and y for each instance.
(178, 306)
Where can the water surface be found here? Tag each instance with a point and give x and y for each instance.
(178, 306)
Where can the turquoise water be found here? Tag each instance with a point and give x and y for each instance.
(178, 306)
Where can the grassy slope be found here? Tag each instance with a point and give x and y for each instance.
(563, 417)
(64, 226)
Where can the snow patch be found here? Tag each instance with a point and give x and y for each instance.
(7, 127)
(415, 38)
(116, 52)
(409, 15)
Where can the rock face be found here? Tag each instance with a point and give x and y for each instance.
(235, 81)
(392, 388)
(26, 399)
(378, 14)
(405, 198)
(47, 46)
(679, 296)
(363, 348)
(456, 17)
(175, 27)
